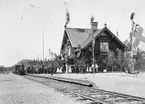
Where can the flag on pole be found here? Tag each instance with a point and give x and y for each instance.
(137, 32)
(92, 31)
(132, 16)
(67, 16)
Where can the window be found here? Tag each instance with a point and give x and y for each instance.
(104, 46)
(68, 50)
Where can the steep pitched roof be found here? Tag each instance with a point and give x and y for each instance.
(83, 37)
(80, 37)
(96, 35)
(116, 38)
(89, 39)
(77, 36)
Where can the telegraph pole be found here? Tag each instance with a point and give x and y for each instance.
(37, 59)
(43, 43)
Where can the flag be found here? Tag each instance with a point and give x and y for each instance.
(136, 43)
(67, 16)
(132, 16)
(92, 31)
(137, 32)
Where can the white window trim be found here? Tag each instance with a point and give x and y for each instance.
(104, 46)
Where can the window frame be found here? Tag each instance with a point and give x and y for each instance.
(104, 46)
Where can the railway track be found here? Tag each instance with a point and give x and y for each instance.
(95, 95)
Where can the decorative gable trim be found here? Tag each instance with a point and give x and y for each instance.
(116, 37)
(65, 34)
(101, 33)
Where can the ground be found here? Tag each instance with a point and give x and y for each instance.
(15, 89)
(117, 82)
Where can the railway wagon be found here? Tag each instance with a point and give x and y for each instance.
(20, 69)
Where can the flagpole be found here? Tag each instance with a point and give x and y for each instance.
(132, 60)
(93, 42)
(67, 21)
(131, 40)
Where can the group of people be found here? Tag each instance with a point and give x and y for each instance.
(80, 68)
(95, 68)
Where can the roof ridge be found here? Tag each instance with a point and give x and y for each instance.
(90, 34)
(77, 28)
(81, 30)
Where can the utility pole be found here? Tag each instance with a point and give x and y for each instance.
(43, 43)
(37, 59)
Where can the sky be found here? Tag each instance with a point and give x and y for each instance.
(21, 25)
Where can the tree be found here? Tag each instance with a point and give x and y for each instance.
(128, 45)
(138, 56)
(127, 56)
(1, 69)
(111, 61)
(120, 60)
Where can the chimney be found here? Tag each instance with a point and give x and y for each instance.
(94, 26)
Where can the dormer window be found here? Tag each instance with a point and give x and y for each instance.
(104, 46)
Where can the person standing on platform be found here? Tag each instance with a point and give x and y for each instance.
(96, 68)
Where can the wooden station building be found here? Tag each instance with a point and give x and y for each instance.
(78, 42)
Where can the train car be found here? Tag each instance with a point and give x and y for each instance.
(20, 69)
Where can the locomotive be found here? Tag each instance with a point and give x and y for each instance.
(20, 69)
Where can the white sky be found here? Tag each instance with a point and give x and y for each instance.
(22, 39)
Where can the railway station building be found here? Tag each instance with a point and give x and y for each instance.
(77, 42)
